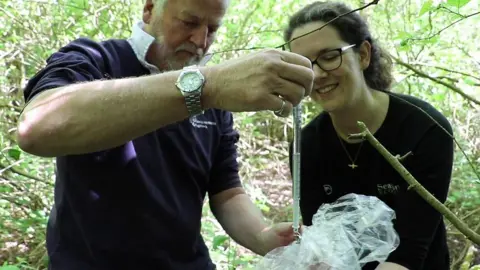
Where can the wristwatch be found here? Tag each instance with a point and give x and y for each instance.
(190, 82)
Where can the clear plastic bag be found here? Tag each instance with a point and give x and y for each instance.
(344, 235)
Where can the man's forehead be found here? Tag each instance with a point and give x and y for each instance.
(200, 15)
(211, 10)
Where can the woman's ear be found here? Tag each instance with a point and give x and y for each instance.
(365, 53)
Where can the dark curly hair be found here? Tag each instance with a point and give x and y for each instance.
(353, 29)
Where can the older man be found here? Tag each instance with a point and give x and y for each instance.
(140, 139)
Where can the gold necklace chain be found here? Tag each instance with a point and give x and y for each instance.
(352, 165)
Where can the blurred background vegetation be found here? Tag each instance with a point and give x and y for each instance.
(435, 42)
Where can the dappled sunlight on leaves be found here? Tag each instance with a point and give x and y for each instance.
(434, 37)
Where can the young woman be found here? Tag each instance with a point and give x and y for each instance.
(352, 83)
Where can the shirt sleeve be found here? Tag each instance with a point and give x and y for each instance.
(416, 220)
(76, 62)
(224, 172)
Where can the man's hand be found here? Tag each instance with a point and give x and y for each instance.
(259, 81)
(277, 235)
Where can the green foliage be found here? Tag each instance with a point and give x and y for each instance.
(457, 3)
(435, 37)
(9, 267)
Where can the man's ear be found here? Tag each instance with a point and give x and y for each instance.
(147, 11)
(365, 53)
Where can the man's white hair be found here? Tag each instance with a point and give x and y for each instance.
(159, 5)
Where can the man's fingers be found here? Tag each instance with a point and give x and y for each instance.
(282, 107)
(296, 59)
(299, 70)
(299, 75)
(294, 68)
(290, 91)
(260, 81)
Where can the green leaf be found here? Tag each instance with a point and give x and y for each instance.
(14, 153)
(5, 189)
(427, 6)
(240, 262)
(403, 35)
(457, 3)
(438, 97)
(9, 267)
(469, 81)
(219, 240)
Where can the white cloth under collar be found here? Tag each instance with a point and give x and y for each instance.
(140, 41)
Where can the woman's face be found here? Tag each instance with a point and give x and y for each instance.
(342, 85)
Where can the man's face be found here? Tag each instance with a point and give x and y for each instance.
(184, 30)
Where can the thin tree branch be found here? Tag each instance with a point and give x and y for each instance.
(451, 11)
(426, 76)
(244, 23)
(258, 32)
(464, 17)
(446, 69)
(467, 53)
(9, 106)
(469, 258)
(471, 213)
(415, 185)
(374, 2)
(447, 78)
(10, 166)
(25, 174)
(13, 202)
(282, 46)
(463, 254)
(7, 181)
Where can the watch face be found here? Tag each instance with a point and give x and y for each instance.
(191, 81)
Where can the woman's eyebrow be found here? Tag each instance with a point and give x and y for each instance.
(326, 50)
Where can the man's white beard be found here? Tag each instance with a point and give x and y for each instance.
(174, 65)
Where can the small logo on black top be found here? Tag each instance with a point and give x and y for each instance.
(201, 124)
(328, 189)
(384, 189)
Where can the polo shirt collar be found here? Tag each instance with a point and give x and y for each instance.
(140, 41)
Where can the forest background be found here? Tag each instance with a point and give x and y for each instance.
(437, 58)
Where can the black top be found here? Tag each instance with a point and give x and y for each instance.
(325, 176)
(139, 205)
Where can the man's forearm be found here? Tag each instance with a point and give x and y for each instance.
(97, 115)
(243, 221)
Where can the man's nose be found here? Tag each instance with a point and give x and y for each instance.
(199, 37)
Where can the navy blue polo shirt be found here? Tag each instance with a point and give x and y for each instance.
(139, 205)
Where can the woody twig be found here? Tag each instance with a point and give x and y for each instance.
(415, 185)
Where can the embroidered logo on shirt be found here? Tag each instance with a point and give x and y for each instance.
(328, 189)
(384, 189)
(201, 124)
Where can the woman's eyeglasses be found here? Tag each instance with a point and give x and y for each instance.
(332, 59)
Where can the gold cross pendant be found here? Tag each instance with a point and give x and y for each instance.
(353, 166)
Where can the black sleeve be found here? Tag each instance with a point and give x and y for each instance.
(79, 61)
(416, 220)
(224, 173)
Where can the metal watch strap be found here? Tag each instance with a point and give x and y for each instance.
(193, 100)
